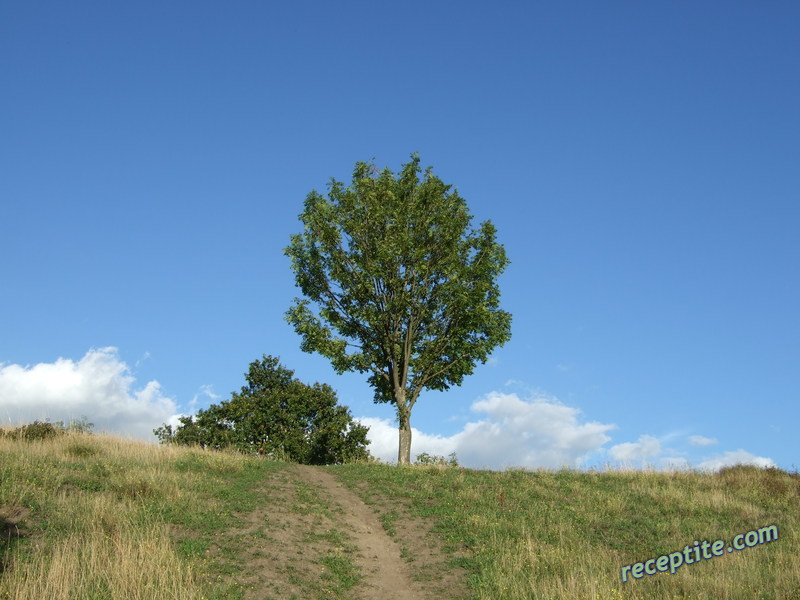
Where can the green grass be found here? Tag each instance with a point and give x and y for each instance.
(389, 520)
(93, 501)
(89, 505)
(98, 517)
(567, 534)
(339, 573)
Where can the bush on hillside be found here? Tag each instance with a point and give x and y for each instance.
(276, 415)
(436, 460)
(45, 430)
(38, 430)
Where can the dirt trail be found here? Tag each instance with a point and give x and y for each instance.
(299, 542)
(386, 574)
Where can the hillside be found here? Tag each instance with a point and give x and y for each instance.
(94, 517)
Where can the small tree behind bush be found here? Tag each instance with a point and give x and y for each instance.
(38, 430)
(45, 430)
(437, 460)
(276, 415)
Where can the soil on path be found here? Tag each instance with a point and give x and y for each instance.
(386, 574)
(310, 522)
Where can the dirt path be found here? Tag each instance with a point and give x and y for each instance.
(312, 538)
(386, 574)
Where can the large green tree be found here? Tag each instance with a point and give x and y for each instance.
(278, 415)
(402, 287)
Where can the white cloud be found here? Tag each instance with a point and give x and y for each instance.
(516, 432)
(674, 463)
(98, 386)
(174, 421)
(699, 440)
(638, 453)
(205, 390)
(735, 457)
(140, 361)
(383, 438)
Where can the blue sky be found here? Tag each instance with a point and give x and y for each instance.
(639, 160)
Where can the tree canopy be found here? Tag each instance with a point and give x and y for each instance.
(277, 415)
(404, 289)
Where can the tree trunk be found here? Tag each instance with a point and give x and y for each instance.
(404, 417)
(404, 452)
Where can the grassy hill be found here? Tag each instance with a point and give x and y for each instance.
(93, 517)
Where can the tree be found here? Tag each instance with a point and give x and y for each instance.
(278, 415)
(404, 289)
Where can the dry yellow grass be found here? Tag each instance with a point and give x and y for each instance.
(87, 530)
(115, 556)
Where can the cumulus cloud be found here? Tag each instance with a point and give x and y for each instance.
(383, 437)
(638, 453)
(99, 386)
(648, 451)
(513, 432)
(674, 463)
(735, 457)
(699, 440)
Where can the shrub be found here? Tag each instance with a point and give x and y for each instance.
(277, 416)
(436, 460)
(81, 425)
(38, 430)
